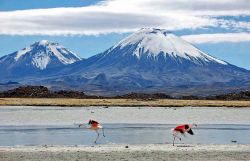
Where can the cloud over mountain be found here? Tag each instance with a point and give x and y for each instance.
(121, 16)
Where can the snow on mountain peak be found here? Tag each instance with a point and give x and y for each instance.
(22, 52)
(42, 53)
(153, 42)
(43, 42)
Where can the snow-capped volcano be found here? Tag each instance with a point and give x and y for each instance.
(155, 60)
(151, 49)
(43, 53)
(38, 57)
(153, 43)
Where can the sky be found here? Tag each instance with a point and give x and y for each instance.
(220, 28)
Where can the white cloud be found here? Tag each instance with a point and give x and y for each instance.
(195, 7)
(124, 16)
(217, 38)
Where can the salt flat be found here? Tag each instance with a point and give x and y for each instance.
(47, 115)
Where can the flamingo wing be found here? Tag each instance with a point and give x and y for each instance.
(180, 130)
(94, 122)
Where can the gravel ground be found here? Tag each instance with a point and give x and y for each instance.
(154, 152)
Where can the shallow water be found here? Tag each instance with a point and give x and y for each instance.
(123, 125)
(120, 134)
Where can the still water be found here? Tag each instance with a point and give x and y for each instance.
(121, 134)
(28, 126)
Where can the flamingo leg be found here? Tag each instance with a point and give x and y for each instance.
(175, 136)
(103, 132)
(97, 136)
(178, 137)
(174, 140)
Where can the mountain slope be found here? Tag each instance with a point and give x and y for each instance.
(36, 60)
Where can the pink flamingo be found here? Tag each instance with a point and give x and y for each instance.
(96, 126)
(182, 129)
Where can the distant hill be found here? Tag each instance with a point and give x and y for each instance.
(44, 92)
(41, 92)
(243, 95)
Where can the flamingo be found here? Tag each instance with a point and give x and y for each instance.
(184, 128)
(96, 126)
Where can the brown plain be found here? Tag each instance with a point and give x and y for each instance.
(120, 102)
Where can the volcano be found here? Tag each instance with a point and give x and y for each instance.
(155, 60)
(36, 60)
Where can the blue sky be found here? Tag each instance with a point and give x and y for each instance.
(87, 27)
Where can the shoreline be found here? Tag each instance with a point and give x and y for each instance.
(132, 147)
(192, 152)
(69, 102)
